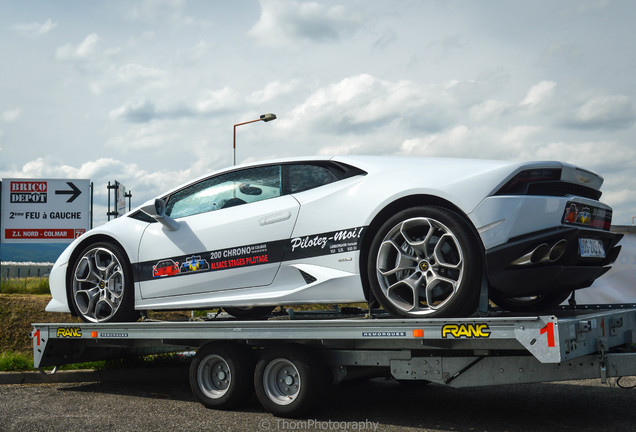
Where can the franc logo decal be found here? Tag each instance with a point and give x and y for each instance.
(469, 331)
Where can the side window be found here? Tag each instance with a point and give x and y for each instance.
(305, 177)
(226, 190)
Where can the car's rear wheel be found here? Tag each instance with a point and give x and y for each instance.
(101, 287)
(529, 303)
(425, 262)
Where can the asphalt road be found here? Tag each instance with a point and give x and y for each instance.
(166, 404)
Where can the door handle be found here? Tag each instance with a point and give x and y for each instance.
(277, 217)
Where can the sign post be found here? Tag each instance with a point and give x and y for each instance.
(44, 210)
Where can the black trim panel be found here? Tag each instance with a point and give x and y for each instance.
(568, 273)
(333, 242)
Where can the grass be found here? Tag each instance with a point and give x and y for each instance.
(18, 362)
(29, 285)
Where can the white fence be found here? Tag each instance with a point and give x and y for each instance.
(11, 270)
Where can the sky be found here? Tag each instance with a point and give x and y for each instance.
(147, 92)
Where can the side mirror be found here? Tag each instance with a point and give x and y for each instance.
(157, 211)
(246, 189)
(160, 207)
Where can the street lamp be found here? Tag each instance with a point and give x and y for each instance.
(264, 118)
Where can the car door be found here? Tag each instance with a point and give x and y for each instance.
(231, 235)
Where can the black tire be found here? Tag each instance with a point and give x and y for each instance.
(425, 262)
(100, 287)
(530, 303)
(290, 380)
(221, 375)
(249, 312)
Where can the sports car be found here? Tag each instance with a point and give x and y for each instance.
(165, 268)
(423, 237)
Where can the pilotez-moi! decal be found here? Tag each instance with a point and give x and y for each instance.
(334, 242)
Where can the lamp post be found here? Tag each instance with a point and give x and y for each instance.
(264, 118)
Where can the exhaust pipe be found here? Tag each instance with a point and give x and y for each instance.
(557, 251)
(542, 253)
(534, 256)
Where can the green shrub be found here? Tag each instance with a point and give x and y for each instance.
(11, 361)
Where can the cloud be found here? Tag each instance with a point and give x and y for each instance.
(571, 108)
(141, 111)
(211, 102)
(85, 49)
(538, 93)
(132, 72)
(11, 116)
(273, 90)
(605, 112)
(171, 11)
(447, 46)
(455, 141)
(134, 75)
(602, 156)
(199, 51)
(214, 101)
(560, 53)
(385, 39)
(157, 137)
(286, 22)
(489, 111)
(88, 49)
(34, 29)
(585, 7)
(363, 103)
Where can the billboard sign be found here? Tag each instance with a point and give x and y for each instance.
(44, 210)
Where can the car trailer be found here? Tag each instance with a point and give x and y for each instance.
(288, 362)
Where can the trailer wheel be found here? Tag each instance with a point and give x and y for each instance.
(221, 375)
(289, 380)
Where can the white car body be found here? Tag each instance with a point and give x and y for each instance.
(260, 253)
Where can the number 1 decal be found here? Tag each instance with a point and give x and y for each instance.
(603, 326)
(549, 330)
(37, 336)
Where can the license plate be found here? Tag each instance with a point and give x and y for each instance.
(591, 248)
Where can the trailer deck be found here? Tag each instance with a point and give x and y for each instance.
(461, 352)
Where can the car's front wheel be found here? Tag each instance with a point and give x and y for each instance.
(425, 262)
(101, 287)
